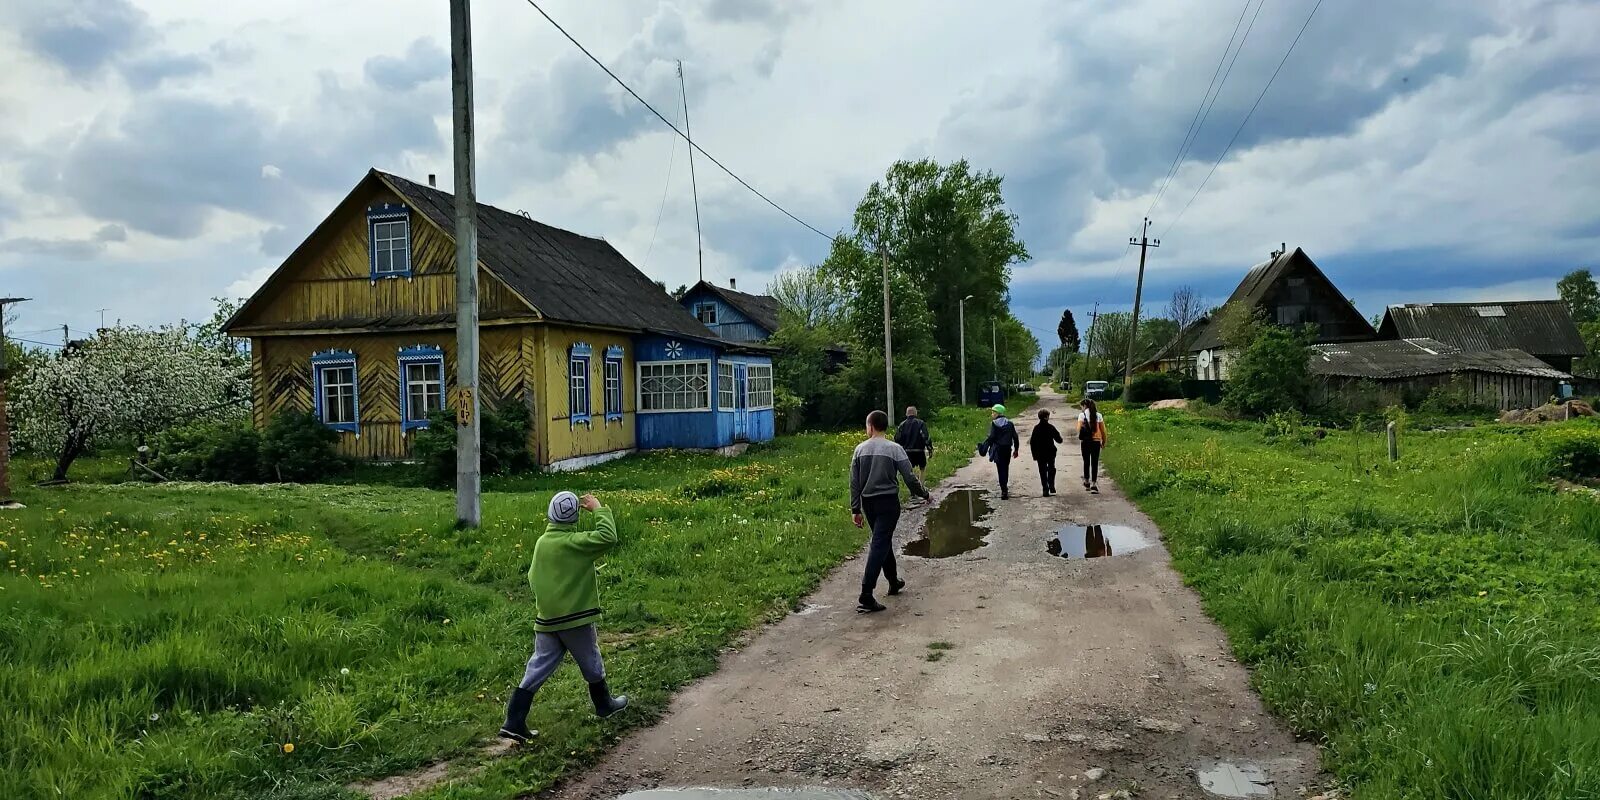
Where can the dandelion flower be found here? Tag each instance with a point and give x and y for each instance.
(344, 670)
(288, 747)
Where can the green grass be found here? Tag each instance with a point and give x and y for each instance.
(169, 641)
(1435, 623)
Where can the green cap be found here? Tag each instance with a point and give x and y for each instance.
(999, 409)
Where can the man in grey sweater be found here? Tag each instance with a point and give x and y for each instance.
(875, 496)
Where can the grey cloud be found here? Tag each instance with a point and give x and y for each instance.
(148, 72)
(423, 61)
(66, 248)
(761, 11)
(84, 36)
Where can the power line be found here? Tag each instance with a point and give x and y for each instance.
(33, 341)
(1197, 122)
(668, 123)
(671, 159)
(1246, 119)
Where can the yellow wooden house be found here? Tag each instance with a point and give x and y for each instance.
(357, 327)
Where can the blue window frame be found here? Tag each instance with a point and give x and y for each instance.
(335, 394)
(613, 383)
(578, 383)
(389, 238)
(421, 385)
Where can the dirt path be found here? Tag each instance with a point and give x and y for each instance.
(1056, 667)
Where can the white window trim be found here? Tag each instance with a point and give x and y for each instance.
(406, 383)
(573, 417)
(605, 388)
(638, 387)
(733, 385)
(771, 387)
(716, 316)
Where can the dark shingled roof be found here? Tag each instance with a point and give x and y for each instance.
(567, 277)
(1541, 327)
(1406, 358)
(1253, 290)
(759, 308)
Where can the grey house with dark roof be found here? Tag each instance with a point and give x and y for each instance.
(357, 328)
(1287, 289)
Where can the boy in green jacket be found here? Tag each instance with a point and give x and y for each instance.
(566, 596)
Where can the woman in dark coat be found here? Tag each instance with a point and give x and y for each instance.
(1043, 443)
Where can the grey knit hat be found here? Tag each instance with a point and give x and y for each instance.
(564, 507)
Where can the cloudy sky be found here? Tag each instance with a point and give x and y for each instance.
(156, 153)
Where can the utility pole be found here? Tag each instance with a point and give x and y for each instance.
(103, 316)
(994, 350)
(1145, 243)
(5, 427)
(469, 511)
(1094, 316)
(66, 336)
(699, 248)
(888, 341)
(961, 317)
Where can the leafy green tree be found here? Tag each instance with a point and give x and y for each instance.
(1578, 290)
(1271, 373)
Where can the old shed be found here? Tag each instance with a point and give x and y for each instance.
(1406, 370)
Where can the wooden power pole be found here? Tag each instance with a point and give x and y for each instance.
(5, 427)
(469, 511)
(1145, 243)
(888, 340)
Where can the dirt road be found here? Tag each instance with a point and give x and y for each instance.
(1056, 668)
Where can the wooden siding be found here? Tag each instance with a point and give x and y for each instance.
(1490, 389)
(281, 376)
(331, 279)
(562, 439)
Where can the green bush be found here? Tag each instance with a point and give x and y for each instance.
(210, 451)
(503, 448)
(1151, 386)
(297, 448)
(1271, 374)
(1573, 451)
(1452, 398)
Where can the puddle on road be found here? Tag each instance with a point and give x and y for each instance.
(952, 528)
(1235, 780)
(1095, 541)
(745, 794)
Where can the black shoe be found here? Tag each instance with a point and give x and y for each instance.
(1005, 495)
(868, 605)
(516, 727)
(896, 587)
(1094, 488)
(1086, 486)
(604, 704)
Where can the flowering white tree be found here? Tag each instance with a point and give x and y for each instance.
(125, 382)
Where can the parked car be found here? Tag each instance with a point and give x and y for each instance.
(1095, 390)
(990, 393)
(1023, 388)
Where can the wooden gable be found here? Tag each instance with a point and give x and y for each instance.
(327, 283)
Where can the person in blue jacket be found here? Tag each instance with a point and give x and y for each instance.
(1002, 446)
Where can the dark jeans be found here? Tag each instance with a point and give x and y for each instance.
(1002, 465)
(883, 513)
(1047, 473)
(1091, 461)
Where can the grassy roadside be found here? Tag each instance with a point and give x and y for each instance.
(191, 640)
(1433, 622)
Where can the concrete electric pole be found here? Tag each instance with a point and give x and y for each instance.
(961, 317)
(5, 427)
(469, 511)
(1145, 243)
(888, 341)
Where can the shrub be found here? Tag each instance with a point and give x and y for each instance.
(1151, 386)
(214, 451)
(503, 448)
(1271, 374)
(1573, 451)
(297, 448)
(1451, 398)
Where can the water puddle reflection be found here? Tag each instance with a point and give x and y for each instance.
(1235, 780)
(952, 526)
(745, 794)
(1095, 541)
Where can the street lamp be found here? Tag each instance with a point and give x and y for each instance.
(961, 317)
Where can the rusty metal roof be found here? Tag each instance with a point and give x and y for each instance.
(1541, 327)
(1406, 358)
(566, 276)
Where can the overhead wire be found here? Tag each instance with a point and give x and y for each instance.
(671, 160)
(713, 159)
(1247, 117)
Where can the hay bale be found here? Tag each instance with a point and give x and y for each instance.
(1549, 412)
(1178, 404)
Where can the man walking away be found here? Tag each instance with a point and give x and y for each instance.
(875, 495)
(1042, 443)
(1002, 445)
(914, 437)
(1091, 439)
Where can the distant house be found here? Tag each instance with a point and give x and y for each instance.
(731, 314)
(1289, 289)
(1406, 370)
(1176, 355)
(1542, 328)
(357, 327)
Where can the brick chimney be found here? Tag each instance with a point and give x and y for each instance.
(733, 283)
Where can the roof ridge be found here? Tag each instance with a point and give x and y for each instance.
(1454, 303)
(518, 215)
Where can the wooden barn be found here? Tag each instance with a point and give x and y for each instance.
(1542, 328)
(1289, 289)
(357, 327)
(1404, 371)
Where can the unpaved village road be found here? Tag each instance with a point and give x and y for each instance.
(1057, 666)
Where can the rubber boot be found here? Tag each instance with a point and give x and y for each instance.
(516, 727)
(604, 704)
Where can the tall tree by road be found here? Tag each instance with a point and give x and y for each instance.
(1067, 331)
(1185, 307)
